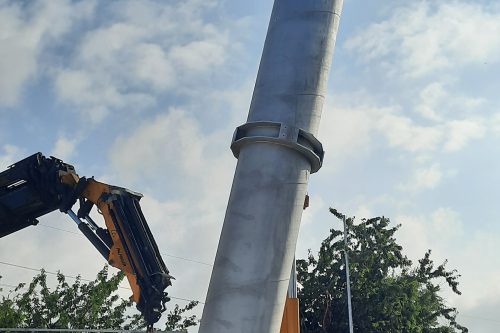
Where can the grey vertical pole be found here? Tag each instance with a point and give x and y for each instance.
(276, 150)
(292, 285)
(348, 279)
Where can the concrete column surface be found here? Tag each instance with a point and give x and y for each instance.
(251, 272)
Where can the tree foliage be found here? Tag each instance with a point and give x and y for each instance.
(177, 321)
(78, 305)
(389, 294)
(92, 305)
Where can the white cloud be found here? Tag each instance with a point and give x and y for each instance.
(471, 252)
(423, 178)
(481, 318)
(437, 103)
(353, 129)
(95, 94)
(455, 118)
(402, 132)
(124, 63)
(171, 142)
(10, 155)
(64, 148)
(431, 97)
(495, 122)
(23, 36)
(154, 67)
(424, 37)
(460, 132)
(345, 129)
(447, 221)
(440, 231)
(199, 56)
(142, 57)
(105, 43)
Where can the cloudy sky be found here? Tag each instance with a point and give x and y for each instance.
(146, 95)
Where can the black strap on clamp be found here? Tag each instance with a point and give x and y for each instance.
(282, 134)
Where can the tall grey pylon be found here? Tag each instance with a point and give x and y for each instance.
(277, 150)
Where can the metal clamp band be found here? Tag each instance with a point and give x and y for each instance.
(278, 133)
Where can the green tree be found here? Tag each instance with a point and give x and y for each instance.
(177, 321)
(389, 294)
(92, 305)
(9, 317)
(78, 305)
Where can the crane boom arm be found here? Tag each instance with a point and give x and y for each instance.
(38, 185)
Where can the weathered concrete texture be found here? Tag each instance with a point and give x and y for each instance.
(252, 269)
